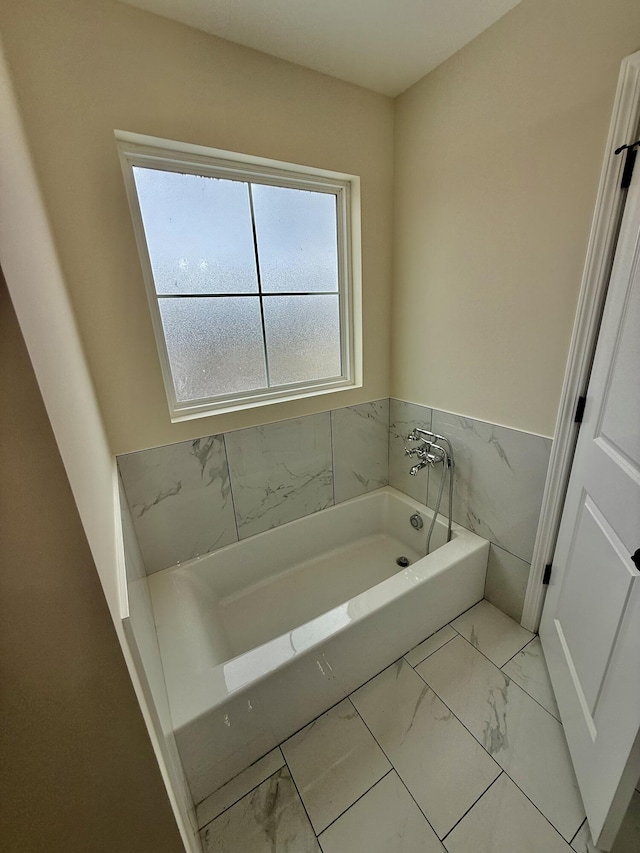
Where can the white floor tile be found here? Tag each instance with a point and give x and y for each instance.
(492, 632)
(385, 820)
(627, 840)
(504, 821)
(234, 790)
(522, 737)
(529, 669)
(271, 819)
(430, 645)
(442, 765)
(333, 761)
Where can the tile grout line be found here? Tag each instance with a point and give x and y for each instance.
(418, 806)
(501, 668)
(391, 769)
(506, 773)
(233, 503)
(486, 790)
(575, 835)
(333, 457)
(486, 657)
(517, 653)
(295, 785)
(506, 550)
(475, 604)
(242, 796)
(388, 440)
(446, 643)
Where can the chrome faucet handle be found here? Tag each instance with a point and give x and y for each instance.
(418, 433)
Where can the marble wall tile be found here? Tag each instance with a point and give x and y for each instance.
(280, 472)
(133, 562)
(180, 500)
(499, 480)
(403, 417)
(360, 438)
(507, 578)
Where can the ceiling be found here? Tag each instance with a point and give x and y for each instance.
(383, 45)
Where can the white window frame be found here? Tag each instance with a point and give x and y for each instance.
(150, 152)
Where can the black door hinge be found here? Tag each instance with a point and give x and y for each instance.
(546, 575)
(582, 402)
(627, 172)
(629, 163)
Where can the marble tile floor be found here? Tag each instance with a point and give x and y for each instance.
(455, 748)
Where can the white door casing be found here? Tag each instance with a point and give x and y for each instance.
(590, 627)
(625, 121)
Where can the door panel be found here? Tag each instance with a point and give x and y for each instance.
(590, 627)
(596, 585)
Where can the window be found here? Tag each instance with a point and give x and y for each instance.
(250, 274)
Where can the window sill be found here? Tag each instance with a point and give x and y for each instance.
(208, 409)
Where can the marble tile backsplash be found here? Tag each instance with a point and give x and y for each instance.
(190, 498)
(180, 500)
(360, 449)
(194, 497)
(507, 578)
(499, 480)
(280, 472)
(403, 417)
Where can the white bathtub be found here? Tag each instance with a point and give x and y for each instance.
(260, 637)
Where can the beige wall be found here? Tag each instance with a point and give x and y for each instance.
(83, 68)
(78, 772)
(41, 303)
(498, 155)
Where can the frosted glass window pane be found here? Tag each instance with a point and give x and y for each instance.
(198, 231)
(215, 345)
(297, 239)
(303, 337)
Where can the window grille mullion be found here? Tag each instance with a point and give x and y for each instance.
(255, 249)
(246, 295)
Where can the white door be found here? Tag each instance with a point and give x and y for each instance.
(590, 626)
